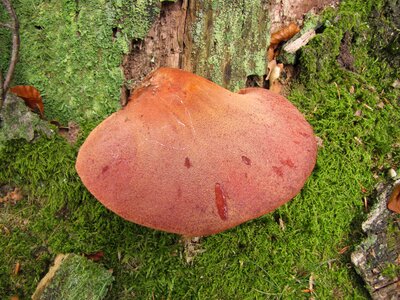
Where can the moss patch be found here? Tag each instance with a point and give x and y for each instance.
(71, 51)
(255, 260)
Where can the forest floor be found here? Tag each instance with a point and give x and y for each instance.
(301, 250)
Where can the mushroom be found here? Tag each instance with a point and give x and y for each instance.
(189, 157)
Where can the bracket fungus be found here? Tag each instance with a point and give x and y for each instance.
(187, 156)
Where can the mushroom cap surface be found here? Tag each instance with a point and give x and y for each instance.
(189, 157)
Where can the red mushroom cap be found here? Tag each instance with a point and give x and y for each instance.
(190, 157)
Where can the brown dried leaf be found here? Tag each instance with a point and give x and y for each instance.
(344, 250)
(31, 96)
(271, 53)
(17, 268)
(95, 256)
(13, 196)
(284, 34)
(394, 200)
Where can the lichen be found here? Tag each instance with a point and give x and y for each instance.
(230, 41)
(18, 122)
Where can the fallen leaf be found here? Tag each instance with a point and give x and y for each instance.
(358, 113)
(394, 200)
(95, 256)
(16, 195)
(352, 89)
(271, 53)
(344, 250)
(13, 196)
(279, 36)
(30, 95)
(17, 268)
(284, 34)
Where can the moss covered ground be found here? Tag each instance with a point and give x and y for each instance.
(260, 259)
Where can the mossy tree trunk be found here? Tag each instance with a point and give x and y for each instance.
(224, 41)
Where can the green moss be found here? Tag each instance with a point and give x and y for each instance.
(230, 41)
(74, 53)
(255, 260)
(391, 271)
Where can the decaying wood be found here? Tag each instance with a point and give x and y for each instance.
(14, 27)
(283, 12)
(295, 45)
(162, 47)
(381, 249)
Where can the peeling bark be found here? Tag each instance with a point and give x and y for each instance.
(283, 12)
(162, 47)
(221, 40)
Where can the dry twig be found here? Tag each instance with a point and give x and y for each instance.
(14, 27)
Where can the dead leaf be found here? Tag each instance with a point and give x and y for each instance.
(344, 250)
(14, 297)
(95, 256)
(279, 36)
(271, 53)
(352, 90)
(394, 200)
(284, 34)
(17, 268)
(13, 196)
(16, 195)
(31, 96)
(358, 113)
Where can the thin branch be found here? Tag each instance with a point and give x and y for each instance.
(15, 48)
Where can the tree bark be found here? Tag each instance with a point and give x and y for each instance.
(224, 41)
